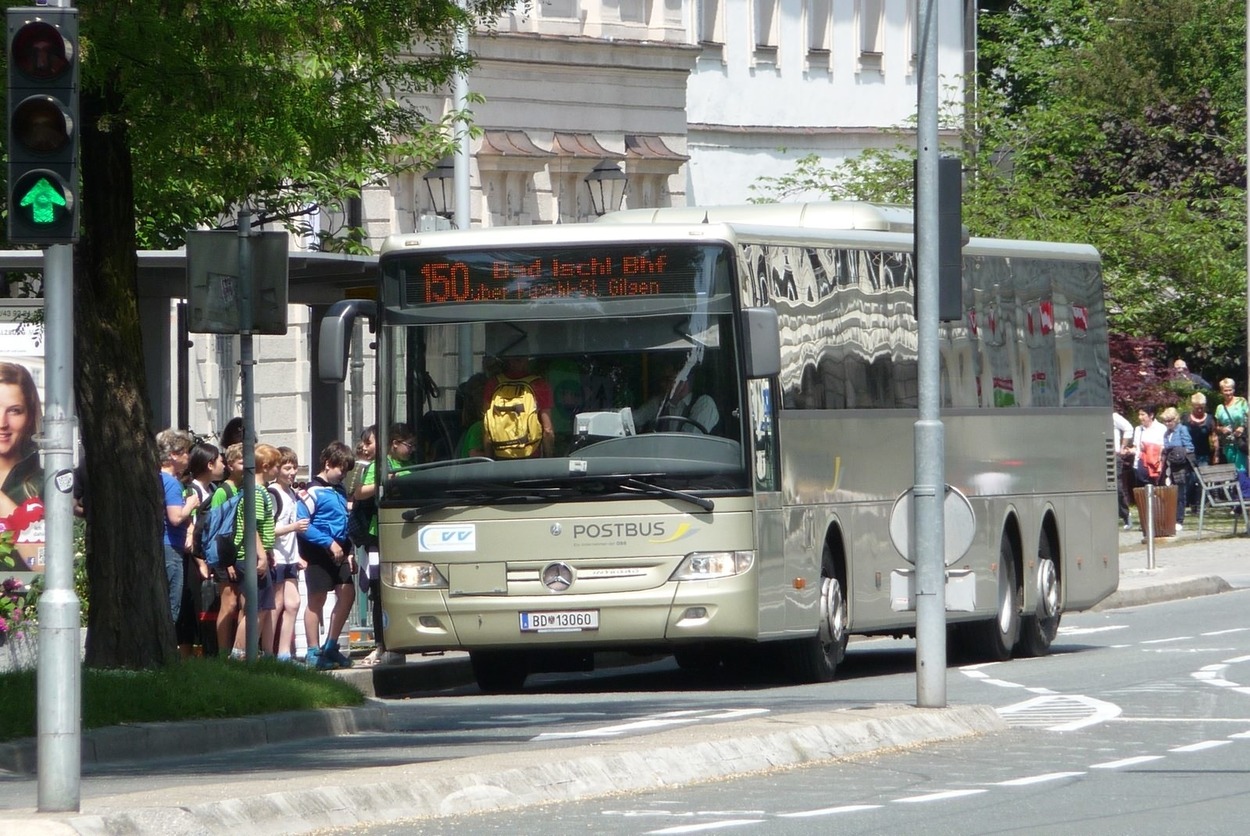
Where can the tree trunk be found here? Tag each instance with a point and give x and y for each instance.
(128, 622)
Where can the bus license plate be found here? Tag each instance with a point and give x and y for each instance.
(559, 621)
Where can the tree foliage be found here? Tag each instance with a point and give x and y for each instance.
(1116, 123)
(190, 110)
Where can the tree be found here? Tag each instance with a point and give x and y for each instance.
(1116, 123)
(189, 111)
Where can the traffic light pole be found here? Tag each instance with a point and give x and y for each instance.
(59, 673)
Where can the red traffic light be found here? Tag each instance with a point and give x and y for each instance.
(40, 52)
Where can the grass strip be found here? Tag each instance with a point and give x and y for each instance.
(194, 689)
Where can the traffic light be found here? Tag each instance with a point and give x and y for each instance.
(43, 117)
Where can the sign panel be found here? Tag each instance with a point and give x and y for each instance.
(215, 293)
(21, 413)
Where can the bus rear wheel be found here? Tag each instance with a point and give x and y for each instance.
(499, 672)
(994, 640)
(1038, 630)
(816, 658)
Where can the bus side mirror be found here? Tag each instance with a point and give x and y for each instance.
(336, 336)
(761, 336)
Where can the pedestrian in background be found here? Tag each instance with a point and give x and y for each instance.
(1178, 451)
(174, 447)
(204, 467)
(1230, 419)
(229, 577)
(286, 559)
(1147, 448)
(402, 447)
(267, 461)
(328, 557)
(1201, 428)
(1122, 432)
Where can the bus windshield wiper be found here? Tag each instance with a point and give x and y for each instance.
(646, 487)
(477, 498)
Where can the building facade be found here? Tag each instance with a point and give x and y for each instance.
(693, 100)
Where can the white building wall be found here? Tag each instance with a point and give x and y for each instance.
(759, 100)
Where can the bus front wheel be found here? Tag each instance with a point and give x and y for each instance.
(816, 658)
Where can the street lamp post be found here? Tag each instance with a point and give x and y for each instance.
(607, 187)
(440, 182)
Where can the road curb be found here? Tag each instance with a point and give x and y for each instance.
(496, 782)
(1165, 591)
(142, 741)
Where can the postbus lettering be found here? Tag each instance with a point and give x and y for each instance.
(595, 531)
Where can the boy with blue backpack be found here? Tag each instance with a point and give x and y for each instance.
(325, 549)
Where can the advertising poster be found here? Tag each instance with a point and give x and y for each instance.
(21, 415)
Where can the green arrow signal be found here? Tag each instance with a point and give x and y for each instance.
(43, 198)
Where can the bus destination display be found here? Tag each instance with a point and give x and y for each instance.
(603, 272)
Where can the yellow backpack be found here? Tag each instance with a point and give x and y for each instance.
(511, 421)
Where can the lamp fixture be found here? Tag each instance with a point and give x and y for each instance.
(440, 181)
(607, 187)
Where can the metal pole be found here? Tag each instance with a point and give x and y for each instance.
(249, 434)
(464, 349)
(928, 528)
(1150, 526)
(59, 713)
(358, 379)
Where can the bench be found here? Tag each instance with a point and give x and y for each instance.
(1221, 488)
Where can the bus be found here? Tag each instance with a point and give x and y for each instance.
(769, 529)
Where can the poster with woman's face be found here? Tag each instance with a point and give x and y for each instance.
(21, 470)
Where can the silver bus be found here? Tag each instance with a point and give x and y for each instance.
(758, 519)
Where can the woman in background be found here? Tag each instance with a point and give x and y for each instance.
(21, 474)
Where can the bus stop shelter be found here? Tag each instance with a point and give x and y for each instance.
(317, 280)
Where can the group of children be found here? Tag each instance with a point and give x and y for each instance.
(297, 529)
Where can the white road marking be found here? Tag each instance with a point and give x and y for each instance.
(1226, 632)
(699, 828)
(1038, 779)
(1240, 735)
(829, 811)
(1199, 747)
(1127, 762)
(658, 721)
(1085, 631)
(1166, 641)
(937, 796)
(1060, 712)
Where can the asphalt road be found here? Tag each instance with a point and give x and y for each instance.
(1138, 724)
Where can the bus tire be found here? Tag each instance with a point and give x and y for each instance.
(1038, 629)
(816, 658)
(994, 640)
(499, 672)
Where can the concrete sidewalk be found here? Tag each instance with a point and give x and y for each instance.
(1178, 567)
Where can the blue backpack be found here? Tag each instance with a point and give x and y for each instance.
(214, 536)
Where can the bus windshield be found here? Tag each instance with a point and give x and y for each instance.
(621, 358)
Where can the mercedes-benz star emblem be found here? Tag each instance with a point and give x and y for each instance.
(557, 576)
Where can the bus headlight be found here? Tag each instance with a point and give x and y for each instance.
(417, 576)
(701, 566)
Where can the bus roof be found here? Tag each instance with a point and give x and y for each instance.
(838, 223)
(840, 214)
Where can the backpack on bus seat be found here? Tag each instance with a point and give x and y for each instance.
(511, 420)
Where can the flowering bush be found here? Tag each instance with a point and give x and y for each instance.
(12, 601)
